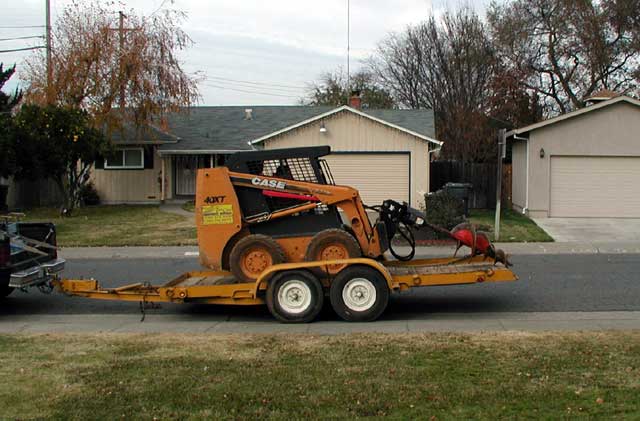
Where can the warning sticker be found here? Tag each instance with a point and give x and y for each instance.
(217, 215)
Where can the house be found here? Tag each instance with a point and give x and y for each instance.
(384, 153)
(585, 163)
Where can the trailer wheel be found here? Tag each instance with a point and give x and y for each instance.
(359, 294)
(332, 244)
(5, 289)
(252, 255)
(295, 297)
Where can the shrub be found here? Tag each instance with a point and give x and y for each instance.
(89, 195)
(443, 210)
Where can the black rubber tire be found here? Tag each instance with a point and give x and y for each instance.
(5, 289)
(377, 281)
(260, 241)
(316, 297)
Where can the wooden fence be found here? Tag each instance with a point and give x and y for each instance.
(481, 175)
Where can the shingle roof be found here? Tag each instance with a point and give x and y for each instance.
(226, 129)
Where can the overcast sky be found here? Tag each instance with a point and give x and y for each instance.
(256, 52)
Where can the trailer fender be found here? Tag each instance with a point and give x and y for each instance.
(265, 276)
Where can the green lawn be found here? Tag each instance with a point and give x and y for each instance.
(485, 376)
(514, 227)
(122, 225)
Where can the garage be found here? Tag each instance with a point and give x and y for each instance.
(595, 186)
(582, 164)
(377, 176)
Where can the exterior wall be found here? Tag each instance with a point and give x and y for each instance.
(132, 186)
(349, 132)
(610, 131)
(519, 175)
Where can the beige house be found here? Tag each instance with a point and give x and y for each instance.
(581, 164)
(383, 153)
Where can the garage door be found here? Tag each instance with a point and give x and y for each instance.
(595, 187)
(376, 176)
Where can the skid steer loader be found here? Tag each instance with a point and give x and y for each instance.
(274, 206)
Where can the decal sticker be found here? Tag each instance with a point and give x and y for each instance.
(217, 215)
(274, 184)
(214, 199)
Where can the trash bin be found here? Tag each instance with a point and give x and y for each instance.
(462, 192)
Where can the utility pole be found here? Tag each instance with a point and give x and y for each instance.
(502, 150)
(48, 40)
(121, 38)
(348, 46)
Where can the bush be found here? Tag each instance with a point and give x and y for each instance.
(444, 210)
(89, 195)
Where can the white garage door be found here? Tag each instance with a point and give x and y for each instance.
(376, 176)
(596, 186)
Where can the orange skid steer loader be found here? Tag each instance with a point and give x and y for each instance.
(274, 228)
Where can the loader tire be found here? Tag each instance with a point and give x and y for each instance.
(252, 255)
(295, 296)
(359, 294)
(332, 244)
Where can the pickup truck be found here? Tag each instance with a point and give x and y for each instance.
(28, 255)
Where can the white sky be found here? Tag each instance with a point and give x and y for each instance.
(278, 45)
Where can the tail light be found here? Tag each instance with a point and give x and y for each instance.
(5, 252)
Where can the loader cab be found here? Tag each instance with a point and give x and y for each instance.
(298, 164)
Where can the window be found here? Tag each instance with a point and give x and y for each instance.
(126, 159)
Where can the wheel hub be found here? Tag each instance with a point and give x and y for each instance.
(359, 294)
(294, 296)
(256, 261)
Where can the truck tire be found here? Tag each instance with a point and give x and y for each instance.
(252, 255)
(359, 294)
(5, 289)
(295, 296)
(332, 244)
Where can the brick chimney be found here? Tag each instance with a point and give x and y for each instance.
(355, 101)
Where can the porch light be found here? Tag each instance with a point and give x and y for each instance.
(323, 129)
(541, 152)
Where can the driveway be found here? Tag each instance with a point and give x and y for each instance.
(600, 230)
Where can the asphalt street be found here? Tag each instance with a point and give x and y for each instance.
(548, 283)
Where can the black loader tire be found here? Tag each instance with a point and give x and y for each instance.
(295, 296)
(365, 289)
(252, 255)
(332, 244)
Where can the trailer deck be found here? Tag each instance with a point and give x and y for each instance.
(213, 287)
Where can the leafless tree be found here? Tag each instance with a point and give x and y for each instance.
(92, 65)
(566, 50)
(447, 66)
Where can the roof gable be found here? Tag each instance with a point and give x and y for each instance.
(380, 116)
(573, 114)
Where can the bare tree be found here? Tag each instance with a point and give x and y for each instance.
(446, 66)
(566, 50)
(93, 63)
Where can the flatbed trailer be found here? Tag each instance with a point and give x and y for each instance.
(294, 292)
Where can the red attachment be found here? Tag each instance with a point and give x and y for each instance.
(466, 235)
(284, 195)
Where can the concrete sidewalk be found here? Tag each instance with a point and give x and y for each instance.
(511, 248)
(167, 323)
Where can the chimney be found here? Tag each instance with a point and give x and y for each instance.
(248, 114)
(355, 101)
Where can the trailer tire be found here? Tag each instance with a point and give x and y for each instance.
(332, 244)
(295, 296)
(359, 294)
(5, 289)
(252, 255)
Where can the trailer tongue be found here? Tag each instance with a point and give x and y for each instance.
(274, 228)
